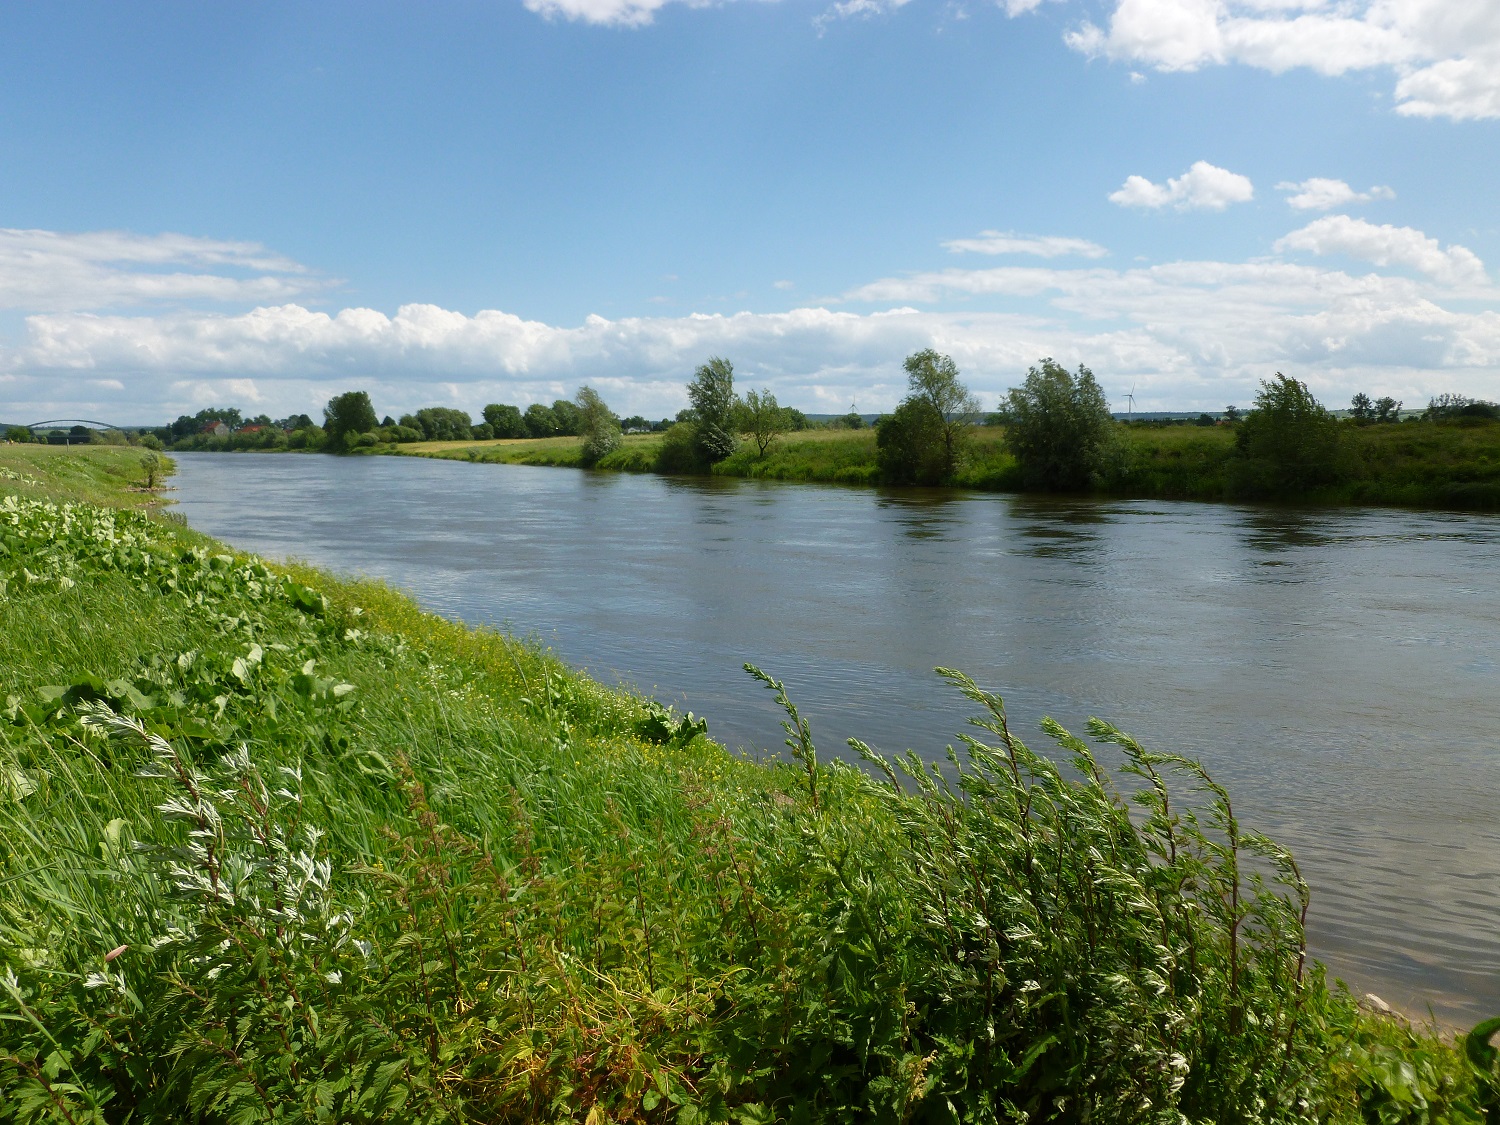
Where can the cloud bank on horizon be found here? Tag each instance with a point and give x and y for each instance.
(1187, 334)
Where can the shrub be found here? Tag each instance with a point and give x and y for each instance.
(679, 451)
(1060, 429)
(1288, 444)
(909, 445)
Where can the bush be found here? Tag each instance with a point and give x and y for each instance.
(679, 450)
(1288, 444)
(1060, 429)
(909, 445)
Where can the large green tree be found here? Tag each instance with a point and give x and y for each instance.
(505, 420)
(346, 417)
(1288, 443)
(1059, 428)
(540, 421)
(444, 423)
(711, 395)
(923, 441)
(932, 378)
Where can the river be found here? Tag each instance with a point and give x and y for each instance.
(1336, 668)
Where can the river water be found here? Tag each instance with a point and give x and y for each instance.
(1336, 668)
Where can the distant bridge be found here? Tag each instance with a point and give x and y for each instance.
(54, 422)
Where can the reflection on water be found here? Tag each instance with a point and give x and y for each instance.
(1336, 668)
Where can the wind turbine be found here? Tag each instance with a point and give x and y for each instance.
(1131, 399)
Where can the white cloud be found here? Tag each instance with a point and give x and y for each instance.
(1203, 187)
(784, 284)
(1444, 53)
(625, 13)
(41, 269)
(1042, 246)
(1387, 246)
(1193, 334)
(1319, 194)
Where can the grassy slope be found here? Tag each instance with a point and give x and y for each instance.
(104, 474)
(545, 900)
(1416, 464)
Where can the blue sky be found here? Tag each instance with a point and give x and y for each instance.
(461, 203)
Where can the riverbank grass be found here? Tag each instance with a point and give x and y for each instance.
(276, 846)
(1415, 464)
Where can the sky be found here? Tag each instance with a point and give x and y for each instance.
(458, 203)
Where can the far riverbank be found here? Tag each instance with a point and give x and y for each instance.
(1418, 464)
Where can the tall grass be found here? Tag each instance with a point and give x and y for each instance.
(277, 847)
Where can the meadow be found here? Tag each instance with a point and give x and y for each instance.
(276, 846)
(1414, 464)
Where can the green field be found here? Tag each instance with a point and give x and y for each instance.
(280, 847)
(1414, 464)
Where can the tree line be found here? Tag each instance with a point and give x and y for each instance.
(1057, 425)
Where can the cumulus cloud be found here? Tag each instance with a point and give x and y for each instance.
(1042, 246)
(1192, 334)
(624, 13)
(1203, 187)
(1387, 245)
(42, 269)
(1444, 53)
(1319, 194)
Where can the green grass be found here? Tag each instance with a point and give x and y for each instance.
(1416, 464)
(99, 474)
(275, 846)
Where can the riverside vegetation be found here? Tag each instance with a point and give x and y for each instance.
(1053, 433)
(280, 847)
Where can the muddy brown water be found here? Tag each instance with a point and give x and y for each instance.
(1336, 668)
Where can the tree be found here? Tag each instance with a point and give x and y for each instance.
(1232, 412)
(933, 379)
(1060, 429)
(598, 426)
(569, 419)
(19, 434)
(1387, 409)
(711, 395)
(762, 417)
(444, 423)
(151, 442)
(1288, 443)
(505, 420)
(540, 421)
(1361, 409)
(346, 417)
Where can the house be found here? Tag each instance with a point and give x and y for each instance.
(215, 429)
